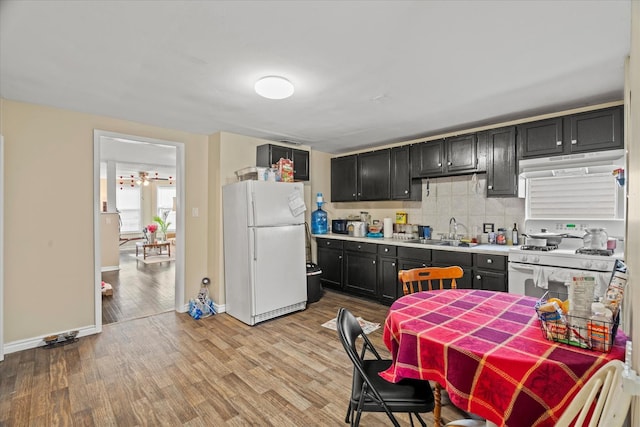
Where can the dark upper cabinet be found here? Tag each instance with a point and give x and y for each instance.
(374, 175)
(541, 138)
(502, 163)
(402, 186)
(577, 133)
(427, 159)
(269, 154)
(344, 179)
(595, 130)
(462, 153)
(451, 156)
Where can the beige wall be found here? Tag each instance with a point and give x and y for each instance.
(49, 260)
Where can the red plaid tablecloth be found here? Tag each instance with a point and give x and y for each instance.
(487, 350)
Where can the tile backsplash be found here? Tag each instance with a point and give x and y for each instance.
(461, 197)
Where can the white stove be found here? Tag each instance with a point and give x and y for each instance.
(533, 271)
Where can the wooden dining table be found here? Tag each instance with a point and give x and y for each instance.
(487, 350)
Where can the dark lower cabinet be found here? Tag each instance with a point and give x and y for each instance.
(462, 259)
(388, 274)
(371, 270)
(360, 269)
(330, 261)
(490, 272)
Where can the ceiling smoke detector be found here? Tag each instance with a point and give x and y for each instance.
(274, 87)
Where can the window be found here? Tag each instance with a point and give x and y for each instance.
(164, 198)
(128, 204)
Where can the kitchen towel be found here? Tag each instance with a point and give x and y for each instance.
(387, 228)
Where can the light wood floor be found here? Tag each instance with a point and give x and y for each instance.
(139, 289)
(170, 369)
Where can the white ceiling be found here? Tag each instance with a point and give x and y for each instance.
(366, 73)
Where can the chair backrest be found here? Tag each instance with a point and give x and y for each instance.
(349, 330)
(414, 280)
(602, 394)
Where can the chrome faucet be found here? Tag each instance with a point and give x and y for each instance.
(454, 233)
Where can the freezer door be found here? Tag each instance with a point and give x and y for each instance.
(279, 268)
(273, 203)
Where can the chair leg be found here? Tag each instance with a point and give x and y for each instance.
(422, 423)
(347, 419)
(437, 409)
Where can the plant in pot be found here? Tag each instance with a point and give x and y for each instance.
(163, 224)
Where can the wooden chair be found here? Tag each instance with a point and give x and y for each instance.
(420, 279)
(414, 280)
(603, 394)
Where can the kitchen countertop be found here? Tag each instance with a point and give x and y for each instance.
(482, 249)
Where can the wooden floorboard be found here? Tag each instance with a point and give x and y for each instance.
(139, 289)
(169, 369)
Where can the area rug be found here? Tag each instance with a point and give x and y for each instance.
(367, 327)
(153, 259)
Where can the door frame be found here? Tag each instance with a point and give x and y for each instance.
(1, 247)
(98, 135)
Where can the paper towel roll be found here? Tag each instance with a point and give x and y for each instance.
(387, 228)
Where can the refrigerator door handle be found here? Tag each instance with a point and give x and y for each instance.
(255, 244)
(253, 211)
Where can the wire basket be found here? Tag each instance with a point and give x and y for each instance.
(574, 330)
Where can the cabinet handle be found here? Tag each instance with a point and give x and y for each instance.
(424, 265)
(386, 249)
(359, 247)
(449, 163)
(439, 164)
(339, 256)
(393, 264)
(574, 141)
(479, 277)
(490, 187)
(489, 261)
(374, 261)
(406, 191)
(558, 143)
(354, 194)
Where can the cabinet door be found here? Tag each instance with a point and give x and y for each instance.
(427, 159)
(502, 166)
(541, 138)
(344, 179)
(490, 281)
(402, 186)
(330, 261)
(461, 153)
(388, 278)
(596, 130)
(300, 164)
(360, 273)
(374, 175)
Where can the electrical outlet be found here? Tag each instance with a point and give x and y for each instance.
(194, 212)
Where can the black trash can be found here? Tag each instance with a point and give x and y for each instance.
(314, 287)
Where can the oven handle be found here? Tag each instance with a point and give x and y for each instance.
(516, 266)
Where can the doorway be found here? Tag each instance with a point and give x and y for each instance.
(139, 154)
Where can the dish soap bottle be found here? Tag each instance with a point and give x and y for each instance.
(319, 223)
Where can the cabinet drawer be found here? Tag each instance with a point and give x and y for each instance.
(491, 262)
(329, 243)
(446, 258)
(360, 247)
(414, 253)
(387, 250)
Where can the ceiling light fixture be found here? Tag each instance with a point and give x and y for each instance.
(274, 87)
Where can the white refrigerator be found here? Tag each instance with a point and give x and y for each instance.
(264, 249)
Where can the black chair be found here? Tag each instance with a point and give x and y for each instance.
(369, 391)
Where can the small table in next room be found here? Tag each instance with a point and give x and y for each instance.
(158, 245)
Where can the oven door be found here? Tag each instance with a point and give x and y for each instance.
(534, 280)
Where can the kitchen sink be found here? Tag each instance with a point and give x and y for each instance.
(439, 242)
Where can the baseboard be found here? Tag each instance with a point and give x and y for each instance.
(110, 268)
(217, 307)
(30, 343)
